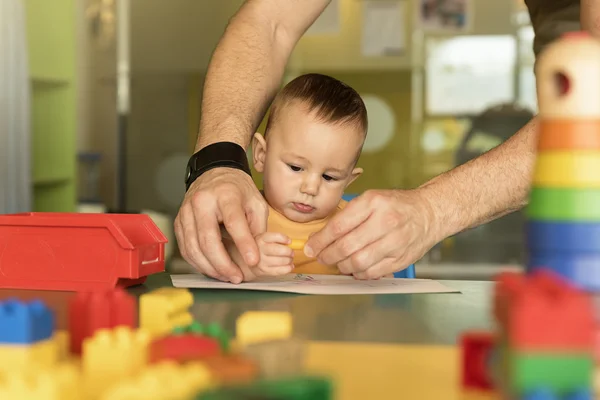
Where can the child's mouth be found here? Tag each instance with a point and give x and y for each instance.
(303, 208)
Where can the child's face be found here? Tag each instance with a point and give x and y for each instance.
(306, 164)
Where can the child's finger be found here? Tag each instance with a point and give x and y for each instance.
(277, 250)
(275, 237)
(268, 261)
(277, 270)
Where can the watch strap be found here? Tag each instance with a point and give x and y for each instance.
(220, 154)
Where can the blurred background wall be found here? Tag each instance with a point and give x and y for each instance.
(444, 81)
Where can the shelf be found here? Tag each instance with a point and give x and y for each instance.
(48, 83)
(52, 180)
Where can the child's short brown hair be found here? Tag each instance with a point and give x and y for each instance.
(332, 100)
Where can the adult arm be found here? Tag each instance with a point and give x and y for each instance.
(247, 66)
(244, 72)
(485, 188)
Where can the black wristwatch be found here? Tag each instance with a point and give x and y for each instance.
(220, 154)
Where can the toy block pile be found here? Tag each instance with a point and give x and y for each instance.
(544, 344)
(115, 351)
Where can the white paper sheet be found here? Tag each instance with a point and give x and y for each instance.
(317, 284)
(383, 30)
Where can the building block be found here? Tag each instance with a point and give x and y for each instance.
(183, 348)
(545, 393)
(293, 388)
(230, 369)
(563, 134)
(567, 169)
(261, 326)
(213, 330)
(476, 349)
(44, 353)
(542, 312)
(164, 381)
(164, 309)
(23, 322)
(77, 251)
(91, 311)
(582, 270)
(112, 355)
(564, 205)
(278, 358)
(566, 237)
(297, 244)
(561, 372)
(58, 383)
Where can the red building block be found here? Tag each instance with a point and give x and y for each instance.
(182, 348)
(542, 312)
(90, 311)
(71, 251)
(476, 348)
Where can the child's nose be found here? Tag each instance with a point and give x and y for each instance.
(310, 186)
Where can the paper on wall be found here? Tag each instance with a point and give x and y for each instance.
(383, 32)
(317, 284)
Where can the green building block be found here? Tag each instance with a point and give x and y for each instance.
(213, 330)
(564, 204)
(561, 372)
(292, 388)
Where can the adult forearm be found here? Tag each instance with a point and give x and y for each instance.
(483, 189)
(243, 76)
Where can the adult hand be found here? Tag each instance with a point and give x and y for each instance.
(376, 234)
(224, 196)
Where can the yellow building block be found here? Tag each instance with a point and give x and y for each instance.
(46, 353)
(297, 244)
(262, 326)
(61, 382)
(166, 380)
(164, 309)
(567, 169)
(112, 355)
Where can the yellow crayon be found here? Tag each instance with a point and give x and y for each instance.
(297, 244)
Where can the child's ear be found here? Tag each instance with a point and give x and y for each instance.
(356, 172)
(259, 152)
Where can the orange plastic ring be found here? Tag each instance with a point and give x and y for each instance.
(569, 135)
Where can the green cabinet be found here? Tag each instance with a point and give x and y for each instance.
(52, 64)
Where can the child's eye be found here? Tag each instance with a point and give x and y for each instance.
(329, 178)
(295, 168)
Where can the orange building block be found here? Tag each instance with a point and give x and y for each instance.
(541, 311)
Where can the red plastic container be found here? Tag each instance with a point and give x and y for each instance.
(74, 252)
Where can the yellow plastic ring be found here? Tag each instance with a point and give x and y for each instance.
(574, 169)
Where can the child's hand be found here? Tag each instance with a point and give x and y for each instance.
(276, 255)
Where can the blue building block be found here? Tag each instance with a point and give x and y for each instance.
(540, 394)
(581, 270)
(581, 394)
(408, 272)
(25, 322)
(568, 237)
(549, 394)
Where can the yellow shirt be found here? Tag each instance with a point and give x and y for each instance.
(277, 222)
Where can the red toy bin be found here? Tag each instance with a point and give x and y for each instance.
(76, 252)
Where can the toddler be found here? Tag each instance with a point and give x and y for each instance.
(313, 138)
